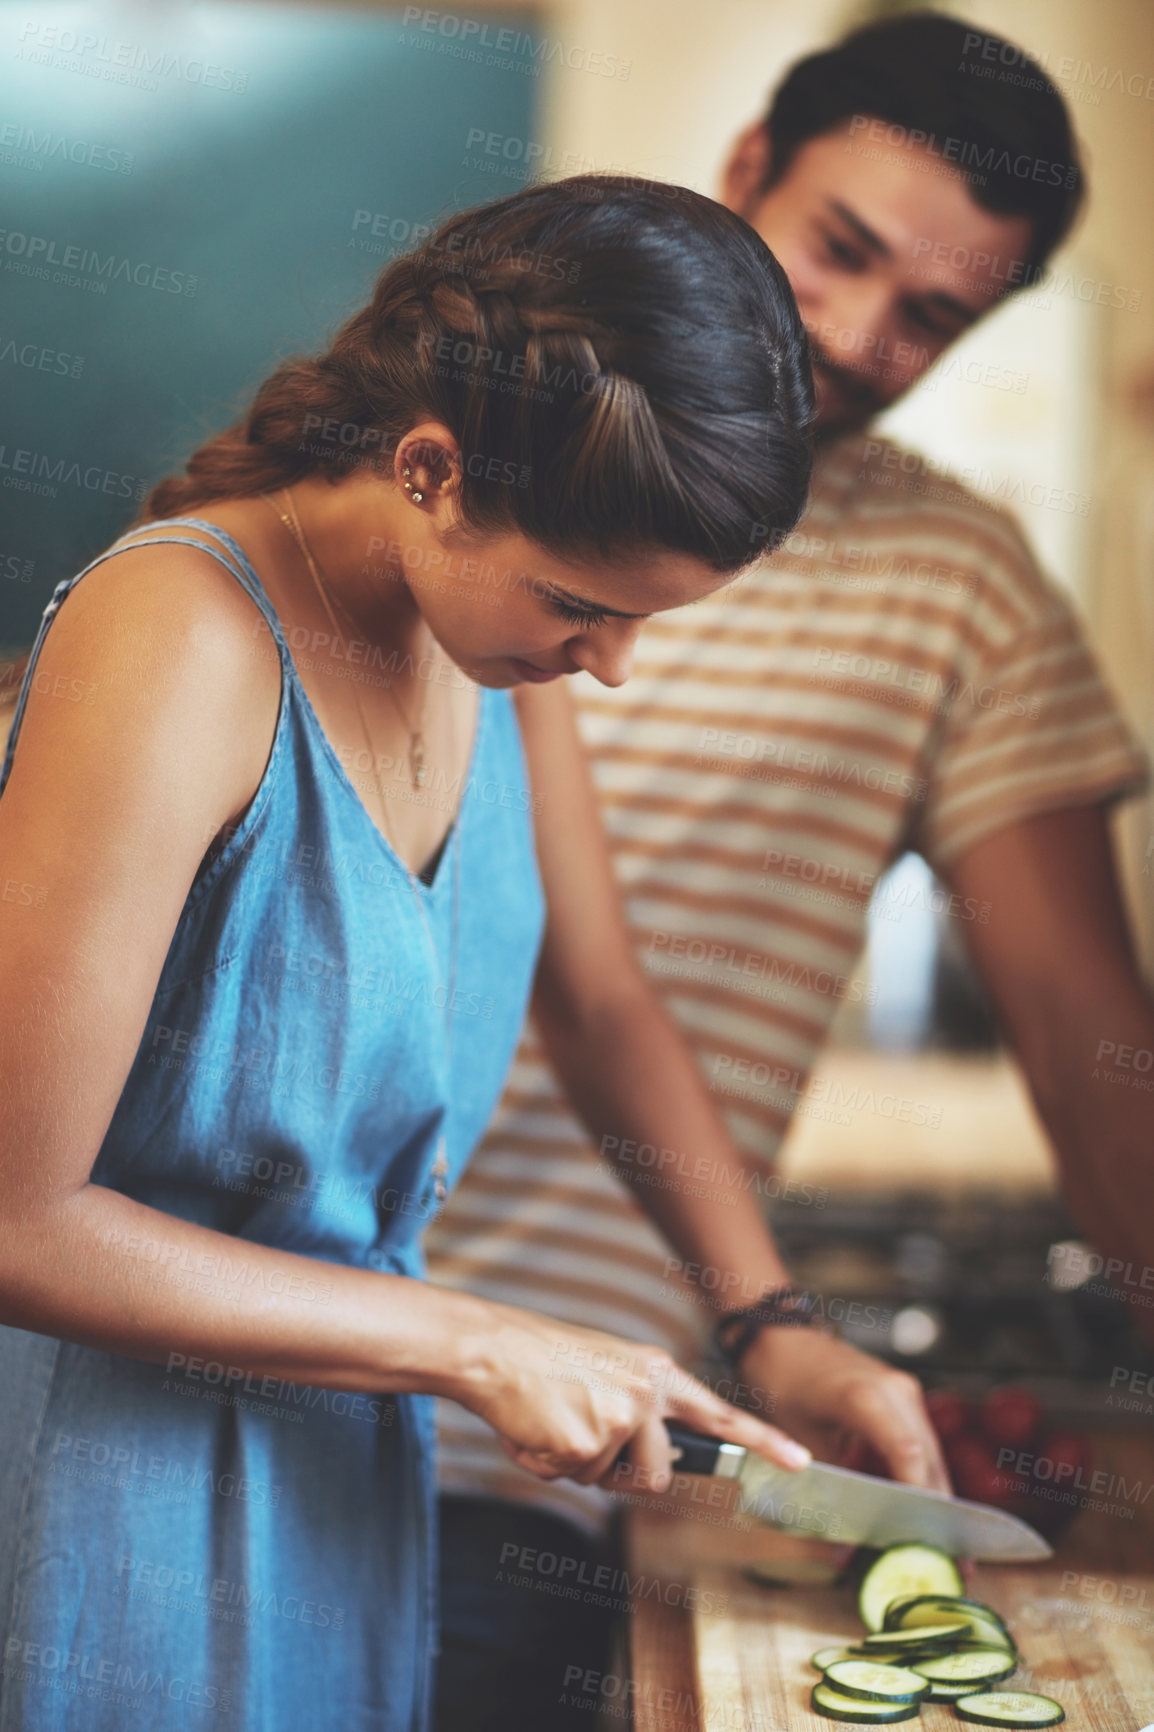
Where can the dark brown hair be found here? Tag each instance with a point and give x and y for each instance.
(975, 98)
(630, 352)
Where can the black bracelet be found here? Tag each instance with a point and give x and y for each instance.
(784, 1307)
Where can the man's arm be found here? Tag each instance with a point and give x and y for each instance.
(1057, 957)
(631, 1075)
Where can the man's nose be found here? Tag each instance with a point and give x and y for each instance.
(607, 653)
(851, 324)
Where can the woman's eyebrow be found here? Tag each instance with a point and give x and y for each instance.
(592, 606)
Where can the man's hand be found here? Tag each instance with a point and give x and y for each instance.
(830, 1396)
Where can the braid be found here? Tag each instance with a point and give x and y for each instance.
(634, 355)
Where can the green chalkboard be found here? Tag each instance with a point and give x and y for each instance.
(190, 192)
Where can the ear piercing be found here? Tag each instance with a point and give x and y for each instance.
(416, 493)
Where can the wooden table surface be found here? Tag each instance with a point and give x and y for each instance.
(712, 1651)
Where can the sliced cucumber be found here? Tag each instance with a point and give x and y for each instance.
(834, 1706)
(896, 1656)
(921, 1636)
(930, 1611)
(876, 1683)
(948, 1692)
(1009, 1708)
(826, 1657)
(905, 1572)
(984, 1634)
(985, 1665)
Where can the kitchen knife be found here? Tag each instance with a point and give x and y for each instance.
(849, 1508)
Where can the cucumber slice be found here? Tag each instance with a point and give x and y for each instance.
(921, 1636)
(986, 1665)
(895, 1656)
(876, 1683)
(904, 1572)
(1009, 1708)
(834, 1706)
(948, 1692)
(930, 1611)
(826, 1657)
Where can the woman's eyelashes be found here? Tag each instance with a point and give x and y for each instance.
(575, 614)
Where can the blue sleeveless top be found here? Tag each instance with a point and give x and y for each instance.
(185, 1544)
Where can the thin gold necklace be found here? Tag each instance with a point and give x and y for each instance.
(418, 757)
(440, 1167)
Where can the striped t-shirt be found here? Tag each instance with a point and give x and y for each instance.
(899, 675)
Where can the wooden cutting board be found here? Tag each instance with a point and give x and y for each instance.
(719, 1653)
(752, 1655)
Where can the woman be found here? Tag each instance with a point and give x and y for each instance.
(266, 789)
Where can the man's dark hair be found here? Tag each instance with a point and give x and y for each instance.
(973, 98)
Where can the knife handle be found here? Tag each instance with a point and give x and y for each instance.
(693, 1452)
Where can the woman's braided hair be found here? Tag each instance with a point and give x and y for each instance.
(622, 365)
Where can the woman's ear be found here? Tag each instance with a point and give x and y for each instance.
(746, 171)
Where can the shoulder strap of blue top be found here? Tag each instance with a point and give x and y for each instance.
(231, 555)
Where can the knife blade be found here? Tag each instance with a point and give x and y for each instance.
(850, 1508)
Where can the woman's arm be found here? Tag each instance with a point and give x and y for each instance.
(147, 730)
(633, 1078)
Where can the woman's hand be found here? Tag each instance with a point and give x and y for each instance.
(567, 1401)
(834, 1397)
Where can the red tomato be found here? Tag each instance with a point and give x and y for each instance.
(967, 1451)
(948, 1413)
(1069, 1452)
(1010, 1416)
(976, 1474)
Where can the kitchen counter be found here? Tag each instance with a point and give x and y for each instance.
(712, 1651)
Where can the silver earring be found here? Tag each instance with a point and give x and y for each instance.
(416, 494)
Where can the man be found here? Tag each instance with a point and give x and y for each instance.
(900, 675)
